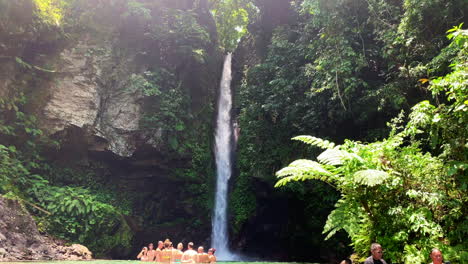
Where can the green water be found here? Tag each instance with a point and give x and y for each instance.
(132, 262)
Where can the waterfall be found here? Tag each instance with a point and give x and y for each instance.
(223, 154)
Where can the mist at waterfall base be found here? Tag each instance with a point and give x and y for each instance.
(223, 155)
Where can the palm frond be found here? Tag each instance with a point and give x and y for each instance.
(314, 141)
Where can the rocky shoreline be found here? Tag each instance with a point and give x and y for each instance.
(21, 240)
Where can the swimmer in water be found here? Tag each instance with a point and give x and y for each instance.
(202, 257)
(211, 256)
(151, 255)
(177, 254)
(190, 255)
(143, 255)
(166, 253)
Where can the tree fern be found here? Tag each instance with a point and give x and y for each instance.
(301, 170)
(370, 177)
(332, 157)
(314, 141)
(347, 215)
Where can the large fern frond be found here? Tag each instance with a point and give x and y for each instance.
(332, 157)
(301, 170)
(346, 215)
(314, 141)
(370, 177)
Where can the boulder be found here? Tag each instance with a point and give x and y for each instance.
(81, 251)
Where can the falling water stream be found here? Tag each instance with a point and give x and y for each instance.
(223, 155)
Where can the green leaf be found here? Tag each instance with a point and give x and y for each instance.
(301, 170)
(370, 177)
(314, 141)
(173, 142)
(332, 157)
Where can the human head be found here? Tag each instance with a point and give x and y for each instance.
(376, 251)
(160, 244)
(436, 256)
(167, 243)
(150, 246)
(211, 251)
(201, 249)
(180, 246)
(346, 261)
(190, 245)
(145, 249)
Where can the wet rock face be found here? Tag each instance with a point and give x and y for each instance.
(20, 239)
(74, 97)
(82, 96)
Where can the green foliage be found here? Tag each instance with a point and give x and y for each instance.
(12, 170)
(338, 69)
(394, 192)
(232, 18)
(76, 214)
(50, 11)
(242, 202)
(80, 216)
(147, 83)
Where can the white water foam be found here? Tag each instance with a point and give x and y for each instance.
(223, 155)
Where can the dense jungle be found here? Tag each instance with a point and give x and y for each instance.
(350, 125)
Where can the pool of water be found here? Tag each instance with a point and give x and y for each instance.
(133, 262)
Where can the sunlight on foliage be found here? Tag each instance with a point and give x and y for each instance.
(50, 11)
(232, 18)
(393, 192)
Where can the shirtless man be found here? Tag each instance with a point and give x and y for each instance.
(143, 254)
(158, 251)
(202, 257)
(189, 256)
(211, 256)
(151, 254)
(166, 253)
(177, 254)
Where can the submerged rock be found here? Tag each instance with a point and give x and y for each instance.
(21, 240)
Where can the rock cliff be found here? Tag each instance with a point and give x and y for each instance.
(127, 90)
(80, 97)
(21, 240)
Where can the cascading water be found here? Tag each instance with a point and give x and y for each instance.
(223, 155)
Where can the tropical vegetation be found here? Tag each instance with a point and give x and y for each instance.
(407, 191)
(386, 80)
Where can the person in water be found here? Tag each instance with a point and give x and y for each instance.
(177, 254)
(211, 256)
(166, 253)
(143, 255)
(202, 257)
(158, 250)
(151, 253)
(376, 255)
(190, 255)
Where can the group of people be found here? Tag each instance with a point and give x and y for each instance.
(166, 253)
(377, 254)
